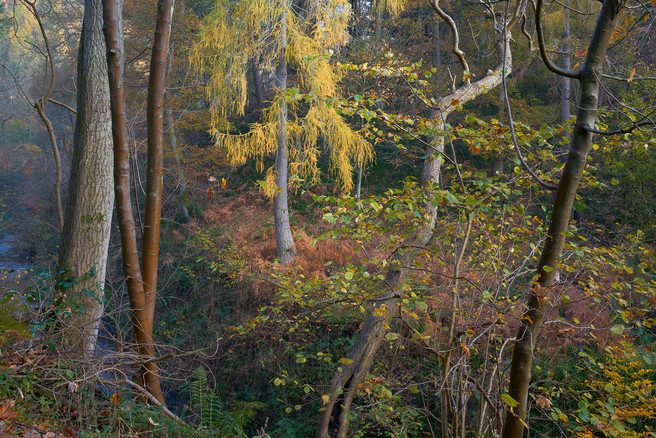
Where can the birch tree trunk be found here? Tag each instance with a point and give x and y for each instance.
(581, 141)
(87, 224)
(284, 237)
(565, 84)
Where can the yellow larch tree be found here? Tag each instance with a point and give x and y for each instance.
(280, 33)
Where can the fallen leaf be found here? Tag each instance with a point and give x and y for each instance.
(210, 192)
(543, 402)
(631, 75)
(7, 413)
(224, 183)
(150, 420)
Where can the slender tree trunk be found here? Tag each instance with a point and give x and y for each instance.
(40, 106)
(284, 237)
(257, 84)
(155, 168)
(334, 421)
(183, 193)
(358, 187)
(565, 84)
(87, 224)
(437, 56)
(129, 248)
(58, 167)
(531, 323)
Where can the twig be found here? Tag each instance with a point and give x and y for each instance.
(56, 102)
(543, 51)
(151, 398)
(620, 131)
(513, 136)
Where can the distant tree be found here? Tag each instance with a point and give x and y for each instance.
(281, 34)
(87, 223)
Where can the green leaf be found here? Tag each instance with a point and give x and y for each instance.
(507, 399)
(617, 329)
(391, 336)
(579, 206)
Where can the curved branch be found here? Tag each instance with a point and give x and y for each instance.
(543, 51)
(517, 15)
(32, 7)
(526, 34)
(456, 38)
(61, 104)
(513, 136)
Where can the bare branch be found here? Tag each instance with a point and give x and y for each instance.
(526, 34)
(63, 105)
(621, 131)
(617, 78)
(456, 39)
(151, 398)
(511, 123)
(543, 51)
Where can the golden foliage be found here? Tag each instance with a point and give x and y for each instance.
(239, 34)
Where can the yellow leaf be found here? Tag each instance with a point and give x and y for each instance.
(210, 193)
(150, 420)
(224, 183)
(115, 398)
(543, 402)
(325, 399)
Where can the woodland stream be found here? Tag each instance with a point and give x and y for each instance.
(11, 261)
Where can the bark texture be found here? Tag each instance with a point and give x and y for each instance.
(581, 141)
(143, 329)
(85, 236)
(284, 237)
(334, 421)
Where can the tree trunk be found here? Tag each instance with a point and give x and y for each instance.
(437, 56)
(531, 323)
(87, 224)
(183, 193)
(334, 421)
(155, 168)
(284, 237)
(129, 248)
(257, 83)
(40, 109)
(565, 84)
